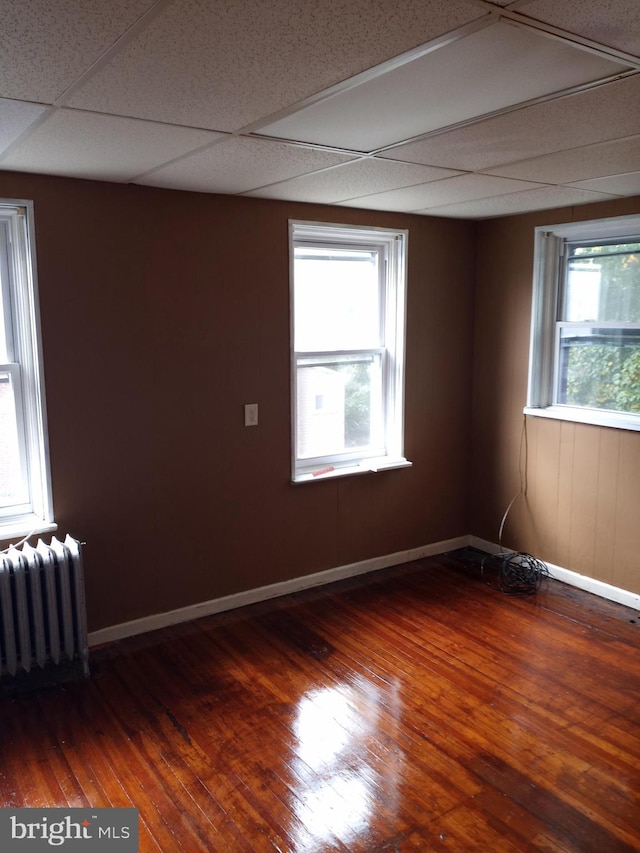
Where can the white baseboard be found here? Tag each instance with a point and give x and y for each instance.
(604, 590)
(263, 593)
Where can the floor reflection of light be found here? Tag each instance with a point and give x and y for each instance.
(338, 808)
(324, 727)
(336, 799)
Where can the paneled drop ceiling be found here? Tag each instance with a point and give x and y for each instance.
(460, 108)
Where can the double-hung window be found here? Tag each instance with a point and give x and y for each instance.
(585, 345)
(25, 496)
(348, 328)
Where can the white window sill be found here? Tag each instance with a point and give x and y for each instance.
(16, 529)
(367, 466)
(595, 417)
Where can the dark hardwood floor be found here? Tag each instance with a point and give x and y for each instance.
(419, 709)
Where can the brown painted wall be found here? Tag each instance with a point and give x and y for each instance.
(162, 314)
(582, 508)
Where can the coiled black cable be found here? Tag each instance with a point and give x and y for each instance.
(518, 573)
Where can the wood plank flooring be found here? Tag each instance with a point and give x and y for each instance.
(418, 709)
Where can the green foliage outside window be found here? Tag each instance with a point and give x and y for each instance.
(604, 377)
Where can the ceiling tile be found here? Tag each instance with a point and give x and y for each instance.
(530, 132)
(488, 70)
(575, 164)
(521, 202)
(223, 65)
(448, 190)
(136, 70)
(623, 185)
(45, 47)
(90, 145)
(240, 164)
(15, 118)
(614, 23)
(358, 178)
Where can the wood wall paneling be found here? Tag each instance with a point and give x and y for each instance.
(583, 482)
(163, 313)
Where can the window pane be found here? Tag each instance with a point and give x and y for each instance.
(339, 404)
(11, 486)
(337, 299)
(600, 368)
(603, 284)
(6, 351)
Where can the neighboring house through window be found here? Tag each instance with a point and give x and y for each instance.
(25, 495)
(585, 333)
(348, 326)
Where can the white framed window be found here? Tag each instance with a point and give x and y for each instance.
(585, 330)
(348, 294)
(25, 491)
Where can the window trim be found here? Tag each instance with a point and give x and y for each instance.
(393, 316)
(27, 371)
(547, 273)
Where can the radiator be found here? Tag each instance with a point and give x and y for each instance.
(43, 618)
